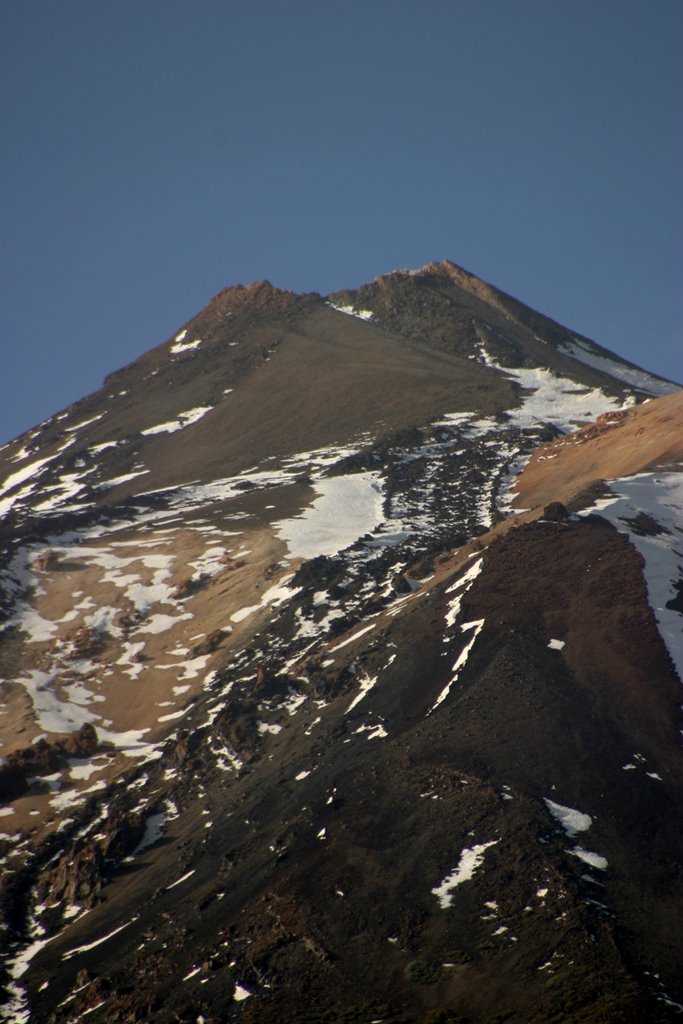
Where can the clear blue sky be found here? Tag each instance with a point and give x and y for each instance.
(155, 151)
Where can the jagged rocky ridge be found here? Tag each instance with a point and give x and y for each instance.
(303, 718)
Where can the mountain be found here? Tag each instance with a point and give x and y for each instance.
(341, 656)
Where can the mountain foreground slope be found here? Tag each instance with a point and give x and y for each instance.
(341, 653)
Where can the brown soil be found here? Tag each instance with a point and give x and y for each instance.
(645, 437)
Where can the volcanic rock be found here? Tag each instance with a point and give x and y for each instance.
(341, 665)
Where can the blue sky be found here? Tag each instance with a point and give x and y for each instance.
(156, 151)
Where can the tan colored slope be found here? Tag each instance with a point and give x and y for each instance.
(617, 444)
(135, 679)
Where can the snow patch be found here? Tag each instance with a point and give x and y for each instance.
(594, 859)
(184, 346)
(354, 636)
(97, 942)
(185, 419)
(470, 860)
(366, 684)
(632, 375)
(347, 507)
(476, 627)
(362, 314)
(571, 820)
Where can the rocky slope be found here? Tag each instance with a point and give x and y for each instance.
(341, 658)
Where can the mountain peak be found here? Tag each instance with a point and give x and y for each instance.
(445, 269)
(318, 624)
(258, 295)
(448, 272)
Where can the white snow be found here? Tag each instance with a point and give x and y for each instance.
(52, 713)
(97, 448)
(212, 561)
(243, 613)
(68, 486)
(594, 859)
(154, 830)
(265, 727)
(130, 650)
(84, 767)
(103, 620)
(226, 758)
(293, 702)
(632, 375)
(191, 667)
(347, 507)
(571, 820)
(65, 691)
(14, 479)
(122, 479)
(192, 494)
(476, 627)
(183, 878)
(20, 964)
(20, 455)
(278, 593)
(30, 621)
(375, 732)
(160, 623)
(130, 743)
(362, 314)
(470, 860)
(544, 398)
(185, 419)
(354, 636)
(34, 469)
(84, 423)
(557, 400)
(97, 942)
(184, 346)
(366, 684)
(173, 715)
(275, 595)
(465, 581)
